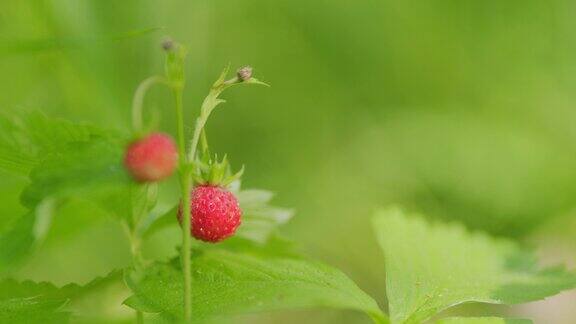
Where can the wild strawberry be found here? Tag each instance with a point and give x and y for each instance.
(215, 213)
(151, 158)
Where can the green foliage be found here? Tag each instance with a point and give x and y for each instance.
(86, 165)
(83, 169)
(64, 160)
(32, 310)
(226, 282)
(31, 302)
(260, 219)
(61, 158)
(430, 267)
(487, 172)
(26, 138)
(17, 241)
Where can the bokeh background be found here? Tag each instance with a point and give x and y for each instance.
(463, 110)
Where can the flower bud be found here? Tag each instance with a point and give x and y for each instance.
(167, 44)
(244, 73)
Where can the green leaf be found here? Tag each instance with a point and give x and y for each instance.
(32, 310)
(11, 288)
(228, 283)
(26, 139)
(24, 235)
(259, 218)
(83, 168)
(482, 320)
(153, 223)
(256, 81)
(66, 160)
(31, 302)
(430, 267)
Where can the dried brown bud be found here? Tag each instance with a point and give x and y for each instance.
(167, 44)
(244, 73)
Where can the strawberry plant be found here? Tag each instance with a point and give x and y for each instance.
(214, 251)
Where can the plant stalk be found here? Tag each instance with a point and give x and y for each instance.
(138, 101)
(186, 188)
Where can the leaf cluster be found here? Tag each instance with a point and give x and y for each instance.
(429, 267)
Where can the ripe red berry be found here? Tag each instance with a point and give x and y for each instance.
(215, 213)
(151, 158)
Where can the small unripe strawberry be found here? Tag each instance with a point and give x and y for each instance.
(215, 213)
(151, 158)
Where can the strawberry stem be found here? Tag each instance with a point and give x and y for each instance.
(186, 188)
(138, 100)
(174, 68)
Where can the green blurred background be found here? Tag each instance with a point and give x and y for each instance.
(463, 110)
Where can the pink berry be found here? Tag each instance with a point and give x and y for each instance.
(215, 213)
(151, 158)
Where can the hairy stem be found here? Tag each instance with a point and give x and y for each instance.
(200, 122)
(138, 100)
(186, 188)
(180, 126)
(209, 103)
(131, 228)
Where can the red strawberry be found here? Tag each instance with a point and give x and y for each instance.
(215, 213)
(151, 158)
